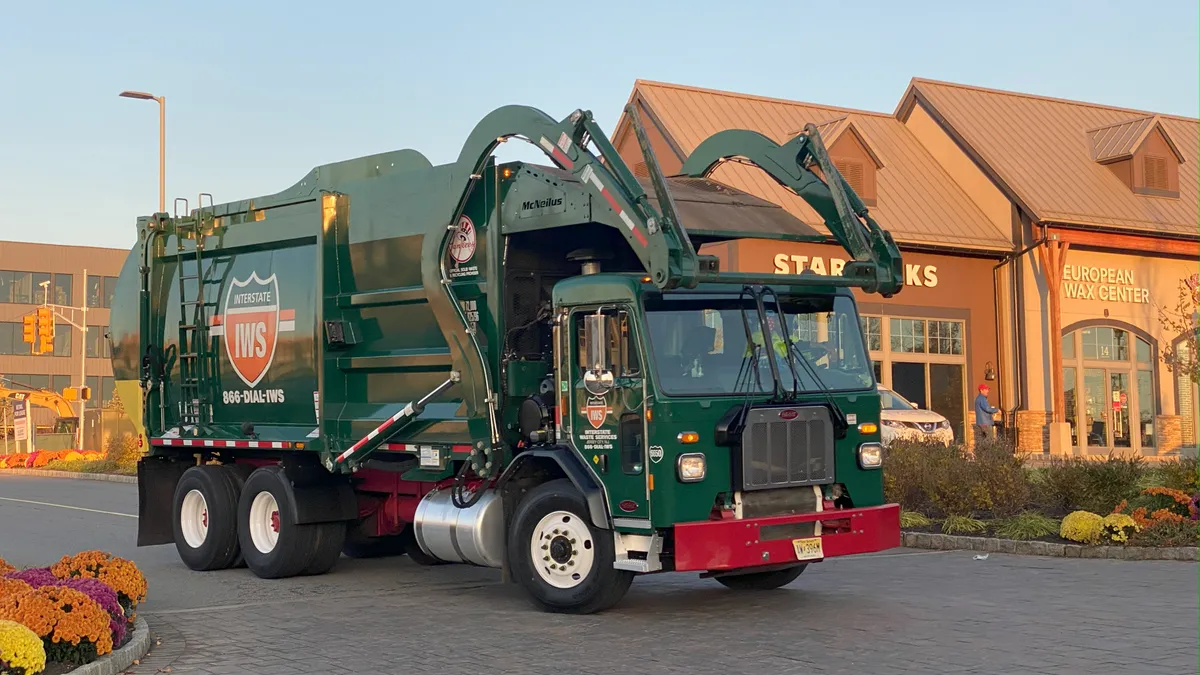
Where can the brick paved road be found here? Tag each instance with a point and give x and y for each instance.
(911, 613)
(904, 612)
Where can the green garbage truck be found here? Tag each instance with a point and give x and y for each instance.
(511, 365)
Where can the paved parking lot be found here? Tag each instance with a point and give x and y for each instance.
(901, 612)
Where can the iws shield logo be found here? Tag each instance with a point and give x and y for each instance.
(250, 323)
(597, 411)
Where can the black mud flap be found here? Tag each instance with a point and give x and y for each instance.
(157, 478)
(318, 496)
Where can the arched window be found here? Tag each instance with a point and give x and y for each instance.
(1109, 377)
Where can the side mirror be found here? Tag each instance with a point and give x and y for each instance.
(598, 378)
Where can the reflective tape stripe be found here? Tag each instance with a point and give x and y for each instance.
(218, 443)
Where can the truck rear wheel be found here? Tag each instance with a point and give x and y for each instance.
(205, 518)
(762, 581)
(274, 547)
(564, 563)
(327, 547)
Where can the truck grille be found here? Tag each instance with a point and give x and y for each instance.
(787, 447)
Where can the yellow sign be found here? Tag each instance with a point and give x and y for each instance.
(808, 549)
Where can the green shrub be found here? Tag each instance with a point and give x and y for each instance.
(959, 524)
(92, 466)
(909, 519)
(909, 471)
(1026, 526)
(1179, 474)
(1095, 485)
(122, 450)
(1002, 479)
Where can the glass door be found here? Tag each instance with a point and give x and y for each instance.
(1118, 395)
(1095, 407)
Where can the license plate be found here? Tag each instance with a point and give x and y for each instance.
(808, 549)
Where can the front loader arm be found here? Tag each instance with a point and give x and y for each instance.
(663, 248)
(877, 264)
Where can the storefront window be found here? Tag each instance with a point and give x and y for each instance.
(923, 360)
(1105, 344)
(908, 335)
(1110, 391)
(872, 327)
(945, 337)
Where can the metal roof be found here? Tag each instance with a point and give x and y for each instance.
(1048, 154)
(917, 201)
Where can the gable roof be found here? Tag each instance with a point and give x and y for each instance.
(918, 202)
(1046, 153)
(1115, 142)
(833, 129)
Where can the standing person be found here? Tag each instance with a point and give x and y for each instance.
(983, 415)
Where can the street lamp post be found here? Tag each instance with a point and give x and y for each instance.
(162, 142)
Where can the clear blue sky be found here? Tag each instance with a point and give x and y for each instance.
(256, 97)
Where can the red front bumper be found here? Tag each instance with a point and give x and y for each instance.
(734, 544)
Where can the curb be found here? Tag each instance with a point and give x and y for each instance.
(105, 477)
(947, 542)
(118, 661)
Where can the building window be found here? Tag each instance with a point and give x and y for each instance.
(62, 289)
(60, 382)
(924, 361)
(102, 391)
(872, 327)
(97, 344)
(1155, 169)
(13, 344)
(100, 291)
(1109, 372)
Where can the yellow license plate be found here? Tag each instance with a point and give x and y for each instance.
(808, 549)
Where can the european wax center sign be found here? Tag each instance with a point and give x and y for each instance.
(1109, 284)
(914, 275)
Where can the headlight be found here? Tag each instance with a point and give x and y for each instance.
(893, 424)
(943, 424)
(870, 456)
(691, 467)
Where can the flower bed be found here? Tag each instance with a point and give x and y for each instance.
(76, 611)
(1107, 501)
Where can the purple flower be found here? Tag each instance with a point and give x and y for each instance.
(93, 588)
(35, 576)
(1194, 507)
(104, 596)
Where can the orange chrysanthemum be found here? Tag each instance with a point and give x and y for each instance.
(5, 568)
(1179, 496)
(13, 587)
(60, 615)
(119, 574)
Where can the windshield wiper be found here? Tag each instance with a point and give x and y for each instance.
(764, 329)
(793, 351)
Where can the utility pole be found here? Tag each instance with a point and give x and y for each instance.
(82, 326)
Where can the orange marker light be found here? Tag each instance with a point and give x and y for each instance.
(689, 437)
(868, 428)
(650, 477)
(649, 414)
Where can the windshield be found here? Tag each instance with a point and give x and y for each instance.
(890, 400)
(699, 344)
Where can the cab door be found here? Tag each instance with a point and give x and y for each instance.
(607, 407)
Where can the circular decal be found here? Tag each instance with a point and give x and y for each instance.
(463, 245)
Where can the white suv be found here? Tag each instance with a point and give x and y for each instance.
(900, 418)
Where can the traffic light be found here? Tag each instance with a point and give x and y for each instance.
(77, 393)
(29, 328)
(45, 326)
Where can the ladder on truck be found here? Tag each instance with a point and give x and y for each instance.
(198, 355)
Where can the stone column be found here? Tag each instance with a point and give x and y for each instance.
(1168, 430)
(1033, 431)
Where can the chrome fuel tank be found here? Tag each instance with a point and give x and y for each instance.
(473, 535)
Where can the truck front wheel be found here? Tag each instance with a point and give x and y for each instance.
(273, 546)
(205, 518)
(564, 563)
(762, 581)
